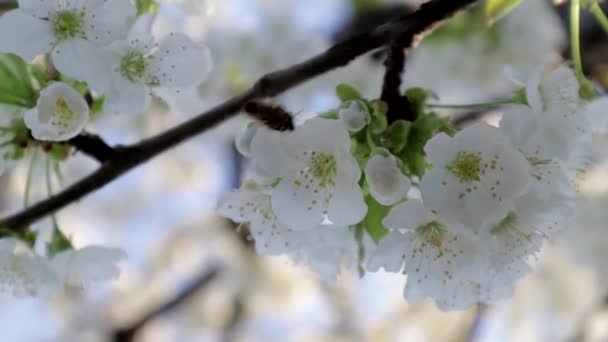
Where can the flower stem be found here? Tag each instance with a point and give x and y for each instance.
(599, 15)
(575, 42)
(49, 190)
(472, 105)
(30, 177)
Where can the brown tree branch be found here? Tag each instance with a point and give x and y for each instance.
(128, 157)
(93, 146)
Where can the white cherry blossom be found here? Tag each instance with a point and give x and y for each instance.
(322, 248)
(318, 175)
(555, 117)
(24, 273)
(139, 65)
(387, 184)
(87, 266)
(439, 257)
(475, 175)
(73, 31)
(60, 114)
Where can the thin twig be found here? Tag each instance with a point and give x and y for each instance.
(270, 85)
(127, 334)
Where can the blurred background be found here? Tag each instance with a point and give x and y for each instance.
(162, 213)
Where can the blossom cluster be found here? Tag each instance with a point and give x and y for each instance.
(25, 273)
(99, 42)
(463, 214)
(61, 63)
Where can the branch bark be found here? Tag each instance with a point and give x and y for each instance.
(128, 157)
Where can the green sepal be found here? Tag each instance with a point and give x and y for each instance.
(397, 134)
(28, 236)
(376, 213)
(146, 6)
(347, 93)
(59, 243)
(496, 9)
(378, 122)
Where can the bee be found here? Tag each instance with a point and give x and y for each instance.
(273, 116)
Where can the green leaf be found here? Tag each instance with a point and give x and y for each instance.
(376, 212)
(16, 82)
(496, 9)
(397, 135)
(146, 6)
(347, 93)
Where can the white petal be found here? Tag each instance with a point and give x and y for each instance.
(388, 185)
(38, 8)
(180, 62)
(110, 21)
(125, 97)
(299, 203)
(244, 138)
(25, 35)
(389, 253)
(186, 101)
(84, 61)
(241, 206)
(597, 112)
(533, 95)
(560, 89)
(269, 152)
(347, 206)
(320, 135)
(408, 215)
(440, 150)
(354, 116)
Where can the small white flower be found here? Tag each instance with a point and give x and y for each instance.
(387, 184)
(60, 114)
(322, 248)
(438, 258)
(318, 175)
(24, 273)
(74, 31)
(475, 176)
(354, 115)
(88, 266)
(140, 65)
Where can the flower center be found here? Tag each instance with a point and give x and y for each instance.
(63, 114)
(432, 232)
(68, 24)
(466, 166)
(133, 66)
(323, 167)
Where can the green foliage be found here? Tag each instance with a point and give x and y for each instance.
(146, 6)
(422, 130)
(496, 9)
(376, 212)
(16, 86)
(397, 135)
(347, 93)
(27, 236)
(58, 243)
